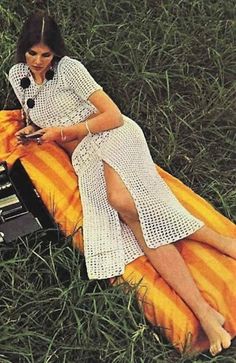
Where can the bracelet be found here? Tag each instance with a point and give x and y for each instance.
(63, 137)
(87, 127)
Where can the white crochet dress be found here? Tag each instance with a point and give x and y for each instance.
(109, 243)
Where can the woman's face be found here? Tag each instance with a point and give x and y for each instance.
(39, 58)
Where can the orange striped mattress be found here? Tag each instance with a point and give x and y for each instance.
(215, 274)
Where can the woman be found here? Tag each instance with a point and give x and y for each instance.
(128, 209)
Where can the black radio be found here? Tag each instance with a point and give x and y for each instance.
(22, 211)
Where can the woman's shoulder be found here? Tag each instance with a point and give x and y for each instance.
(18, 70)
(75, 76)
(70, 65)
(66, 60)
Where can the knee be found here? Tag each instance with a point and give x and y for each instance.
(123, 204)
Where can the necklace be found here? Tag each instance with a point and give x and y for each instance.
(30, 102)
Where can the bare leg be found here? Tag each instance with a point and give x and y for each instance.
(170, 264)
(224, 244)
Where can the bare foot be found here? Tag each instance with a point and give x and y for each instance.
(219, 338)
(219, 317)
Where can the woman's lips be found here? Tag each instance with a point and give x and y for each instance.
(37, 68)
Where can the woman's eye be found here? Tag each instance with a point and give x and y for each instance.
(44, 55)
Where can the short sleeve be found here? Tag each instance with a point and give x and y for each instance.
(78, 78)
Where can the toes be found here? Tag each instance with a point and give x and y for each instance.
(226, 342)
(215, 349)
(217, 346)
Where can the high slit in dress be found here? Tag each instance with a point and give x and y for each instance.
(109, 244)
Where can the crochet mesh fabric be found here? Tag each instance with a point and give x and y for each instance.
(61, 101)
(109, 244)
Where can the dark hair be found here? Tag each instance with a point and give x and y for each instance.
(40, 28)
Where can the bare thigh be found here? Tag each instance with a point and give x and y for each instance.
(118, 195)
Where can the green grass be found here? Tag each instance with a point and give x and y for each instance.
(169, 65)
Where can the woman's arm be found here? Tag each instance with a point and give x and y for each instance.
(107, 118)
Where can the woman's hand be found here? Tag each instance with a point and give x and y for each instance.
(60, 135)
(25, 131)
(47, 134)
(51, 134)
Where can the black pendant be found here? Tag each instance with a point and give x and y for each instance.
(25, 82)
(30, 103)
(49, 74)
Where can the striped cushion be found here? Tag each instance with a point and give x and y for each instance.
(52, 174)
(50, 171)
